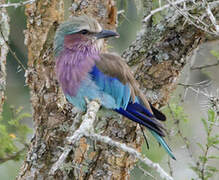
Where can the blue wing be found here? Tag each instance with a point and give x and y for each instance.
(122, 99)
(90, 90)
(112, 86)
(135, 111)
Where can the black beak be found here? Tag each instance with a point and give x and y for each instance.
(106, 34)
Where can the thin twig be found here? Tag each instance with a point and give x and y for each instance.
(211, 17)
(17, 4)
(216, 147)
(204, 163)
(146, 173)
(205, 66)
(202, 84)
(161, 9)
(170, 167)
(200, 92)
(12, 52)
(190, 18)
(179, 132)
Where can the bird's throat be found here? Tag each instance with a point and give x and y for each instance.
(73, 66)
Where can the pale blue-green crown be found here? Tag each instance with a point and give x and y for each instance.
(71, 26)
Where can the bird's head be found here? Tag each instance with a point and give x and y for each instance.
(81, 32)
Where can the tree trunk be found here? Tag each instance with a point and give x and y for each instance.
(158, 54)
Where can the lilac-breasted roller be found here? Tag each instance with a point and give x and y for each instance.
(83, 71)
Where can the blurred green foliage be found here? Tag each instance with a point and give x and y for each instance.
(14, 1)
(14, 131)
(201, 165)
(215, 53)
(201, 168)
(13, 135)
(176, 111)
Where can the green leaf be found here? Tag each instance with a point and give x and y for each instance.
(213, 157)
(207, 175)
(215, 53)
(213, 140)
(212, 168)
(179, 112)
(211, 115)
(13, 133)
(203, 159)
(205, 124)
(195, 169)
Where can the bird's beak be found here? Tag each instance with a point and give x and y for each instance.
(106, 34)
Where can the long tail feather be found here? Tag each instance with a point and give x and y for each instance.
(138, 113)
(163, 144)
(140, 108)
(159, 115)
(136, 119)
(146, 119)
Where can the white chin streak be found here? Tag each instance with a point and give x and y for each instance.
(99, 44)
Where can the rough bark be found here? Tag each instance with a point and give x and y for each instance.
(158, 55)
(4, 34)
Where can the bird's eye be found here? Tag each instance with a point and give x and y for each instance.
(84, 31)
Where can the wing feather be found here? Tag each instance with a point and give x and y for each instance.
(118, 81)
(114, 66)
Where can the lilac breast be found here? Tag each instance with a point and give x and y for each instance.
(72, 66)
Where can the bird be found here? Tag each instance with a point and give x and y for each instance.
(85, 72)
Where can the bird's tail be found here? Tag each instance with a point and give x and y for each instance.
(138, 113)
(163, 144)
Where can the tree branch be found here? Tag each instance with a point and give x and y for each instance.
(85, 127)
(131, 151)
(161, 9)
(204, 66)
(211, 17)
(12, 52)
(15, 5)
(194, 19)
